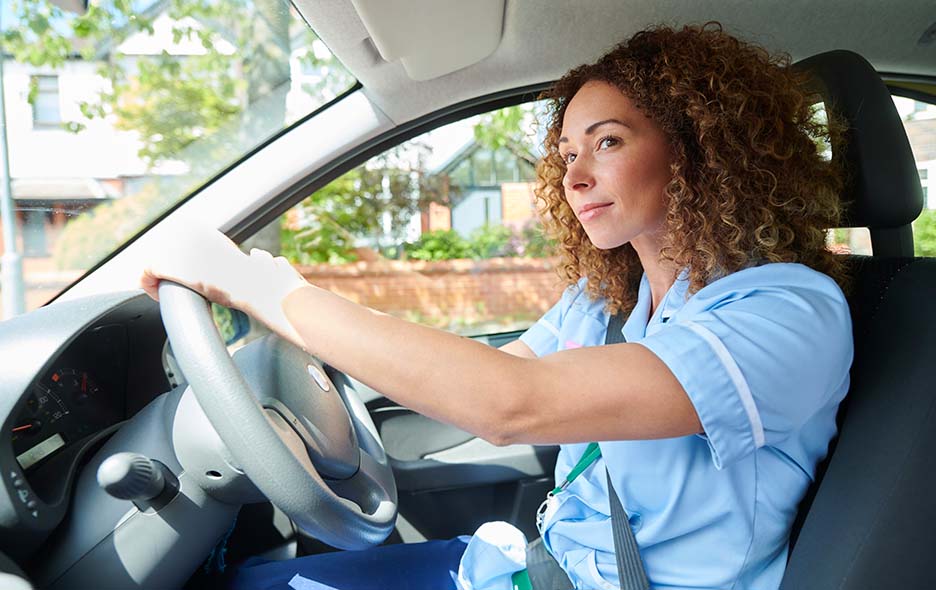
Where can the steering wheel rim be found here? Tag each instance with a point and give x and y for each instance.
(268, 448)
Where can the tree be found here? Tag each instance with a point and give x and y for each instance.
(194, 108)
(170, 100)
(509, 128)
(371, 204)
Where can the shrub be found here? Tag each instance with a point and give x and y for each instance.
(491, 241)
(924, 233)
(439, 245)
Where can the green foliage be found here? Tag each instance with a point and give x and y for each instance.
(443, 244)
(370, 205)
(924, 233)
(501, 128)
(506, 128)
(535, 242)
(322, 235)
(491, 241)
(171, 101)
(488, 241)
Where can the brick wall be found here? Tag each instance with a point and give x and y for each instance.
(467, 296)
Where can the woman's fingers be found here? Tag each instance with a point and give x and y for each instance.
(150, 284)
(200, 258)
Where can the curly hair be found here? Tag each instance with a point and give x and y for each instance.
(749, 180)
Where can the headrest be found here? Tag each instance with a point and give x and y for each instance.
(882, 189)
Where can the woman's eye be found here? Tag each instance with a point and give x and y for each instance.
(568, 158)
(609, 141)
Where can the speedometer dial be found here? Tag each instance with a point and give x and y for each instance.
(63, 408)
(42, 422)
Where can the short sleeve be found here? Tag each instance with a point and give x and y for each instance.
(759, 353)
(543, 336)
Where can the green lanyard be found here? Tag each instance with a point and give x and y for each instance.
(591, 454)
(521, 580)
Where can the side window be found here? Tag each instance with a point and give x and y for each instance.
(919, 116)
(440, 230)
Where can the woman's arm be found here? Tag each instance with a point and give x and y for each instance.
(614, 392)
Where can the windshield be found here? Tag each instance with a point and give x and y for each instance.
(114, 116)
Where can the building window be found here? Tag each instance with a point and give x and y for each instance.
(46, 112)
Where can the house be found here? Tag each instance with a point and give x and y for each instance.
(486, 187)
(57, 174)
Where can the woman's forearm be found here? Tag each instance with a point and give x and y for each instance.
(447, 377)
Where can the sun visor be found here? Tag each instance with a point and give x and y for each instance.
(431, 38)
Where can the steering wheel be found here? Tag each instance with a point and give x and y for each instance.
(309, 446)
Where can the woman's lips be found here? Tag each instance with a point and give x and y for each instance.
(592, 210)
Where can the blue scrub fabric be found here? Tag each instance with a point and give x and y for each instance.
(764, 355)
(432, 565)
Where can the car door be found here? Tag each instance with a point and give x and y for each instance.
(440, 230)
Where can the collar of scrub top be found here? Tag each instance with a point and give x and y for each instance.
(635, 328)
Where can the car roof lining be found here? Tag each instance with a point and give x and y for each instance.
(540, 42)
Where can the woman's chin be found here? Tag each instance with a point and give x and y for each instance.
(605, 242)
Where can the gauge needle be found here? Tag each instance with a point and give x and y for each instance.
(23, 427)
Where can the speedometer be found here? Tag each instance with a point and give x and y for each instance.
(63, 408)
(37, 433)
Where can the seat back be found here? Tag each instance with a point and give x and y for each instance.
(870, 519)
(872, 523)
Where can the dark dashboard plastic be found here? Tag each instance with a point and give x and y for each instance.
(92, 363)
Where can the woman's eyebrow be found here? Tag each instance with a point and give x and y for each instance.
(591, 128)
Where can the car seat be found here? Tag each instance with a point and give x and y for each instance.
(869, 521)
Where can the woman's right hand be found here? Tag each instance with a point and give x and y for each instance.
(208, 262)
(204, 260)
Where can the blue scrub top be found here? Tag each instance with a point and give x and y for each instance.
(764, 355)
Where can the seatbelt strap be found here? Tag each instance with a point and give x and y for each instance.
(631, 574)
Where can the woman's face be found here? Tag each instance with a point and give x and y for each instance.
(617, 166)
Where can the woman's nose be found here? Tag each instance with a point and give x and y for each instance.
(577, 177)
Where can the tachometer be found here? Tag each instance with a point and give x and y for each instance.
(74, 388)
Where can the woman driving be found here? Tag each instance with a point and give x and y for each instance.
(685, 185)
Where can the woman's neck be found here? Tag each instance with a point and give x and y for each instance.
(660, 274)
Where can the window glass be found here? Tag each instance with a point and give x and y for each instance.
(46, 102)
(919, 119)
(114, 116)
(844, 240)
(441, 230)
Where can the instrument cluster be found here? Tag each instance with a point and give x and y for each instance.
(80, 395)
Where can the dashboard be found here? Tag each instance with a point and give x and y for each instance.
(72, 374)
(81, 395)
